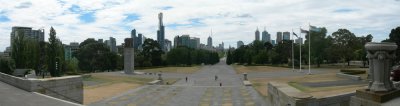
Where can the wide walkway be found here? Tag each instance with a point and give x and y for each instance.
(201, 89)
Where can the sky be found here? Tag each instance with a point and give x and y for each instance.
(229, 20)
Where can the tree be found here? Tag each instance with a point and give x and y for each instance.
(95, 56)
(318, 44)
(152, 51)
(55, 52)
(394, 36)
(344, 43)
(229, 58)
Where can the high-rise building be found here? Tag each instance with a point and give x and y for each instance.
(266, 37)
(71, 49)
(239, 44)
(112, 44)
(194, 42)
(160, 32)
(278, 37)
(186, 40)
(299, 41)
(37, 35)
(139, 40)
(209, 41)
(168, 45)
(257, 34)
(286, 35)
(133, 36)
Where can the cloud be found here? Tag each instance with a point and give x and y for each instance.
(231, 21)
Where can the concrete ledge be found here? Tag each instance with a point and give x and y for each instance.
(247, 83)
(352, 77)
(155, 82)
(68, 88)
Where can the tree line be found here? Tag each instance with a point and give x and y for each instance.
(28, 53)
(341, 46)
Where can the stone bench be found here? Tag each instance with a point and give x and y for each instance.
(247, 83)
(155, 82)
(348, 76)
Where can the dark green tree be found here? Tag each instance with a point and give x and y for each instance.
(394, 36)
(344, 44)
(55, 51)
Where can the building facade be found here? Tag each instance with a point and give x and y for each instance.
(278, 37)
(161, 32)
(37, 35)
(209, 41)
(266, 37)
(239, 44)
(286, 35)
(257, 35)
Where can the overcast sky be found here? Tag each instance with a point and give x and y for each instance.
(230, 20)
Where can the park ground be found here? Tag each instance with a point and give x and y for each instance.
(103, 85)
(321, 83)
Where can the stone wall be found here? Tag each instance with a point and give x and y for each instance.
(282, 94)
(68, 88)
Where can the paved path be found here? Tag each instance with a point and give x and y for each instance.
(201, 89)
(12, 96)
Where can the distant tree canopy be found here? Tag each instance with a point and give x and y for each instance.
(341, 46)
(95, 56)
(394, 36)
(183, 55)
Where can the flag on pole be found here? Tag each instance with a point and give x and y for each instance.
(314, 28)
(303, 31)
(294, 34)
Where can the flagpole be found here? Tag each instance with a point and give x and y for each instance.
(292, 53)
(309, 49)
(301, 43)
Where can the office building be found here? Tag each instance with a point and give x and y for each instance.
(286, 35)
(257, 35)
(239, 44)
(37, 35)
(299, 41)
(160, 32)
(278, 37)
(266, 37)
(209, 41)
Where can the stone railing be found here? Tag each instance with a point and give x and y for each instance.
(68, 88)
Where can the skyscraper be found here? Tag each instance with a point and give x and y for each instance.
(286, 35)
(209, 41)
(133, 36)
(160, 32)
(112, 44)
(139, 39)
(266, 37)
(37, 35)
(239, 44)
(257, 34)
(278, 37)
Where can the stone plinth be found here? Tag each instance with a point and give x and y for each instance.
(380, 56)
(129, 62)
(380, 89)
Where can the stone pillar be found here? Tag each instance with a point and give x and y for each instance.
(129, 62)
(380, 90)
(380, 56)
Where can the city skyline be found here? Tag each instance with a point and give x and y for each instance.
(78, 20)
